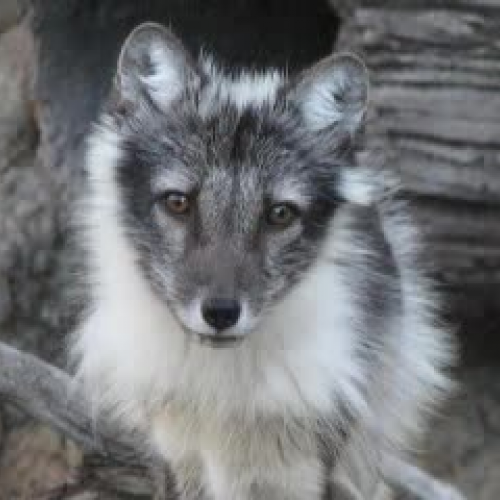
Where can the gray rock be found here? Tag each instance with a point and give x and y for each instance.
(30, 210)
(10, 11)
(17, 126)
(5, 301)
(35, 459)
(464, 444)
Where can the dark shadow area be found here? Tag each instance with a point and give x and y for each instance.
(79, 41)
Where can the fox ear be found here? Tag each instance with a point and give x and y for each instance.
(153, 60)
(334, 92)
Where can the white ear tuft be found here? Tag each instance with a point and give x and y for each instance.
(334, 92)
(357, 186)
(367, 185)
(153, 60)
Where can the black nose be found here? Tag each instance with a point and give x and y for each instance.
(221, 313)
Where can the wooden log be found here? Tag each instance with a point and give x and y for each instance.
(115, 462)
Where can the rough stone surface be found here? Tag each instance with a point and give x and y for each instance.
(464, 445)
(5, 301)
(34, 460)
(17, 132)
(10, 11)
(30, 207)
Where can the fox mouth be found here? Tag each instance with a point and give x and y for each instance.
(217, 341)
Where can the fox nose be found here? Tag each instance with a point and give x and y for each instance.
(221, 313)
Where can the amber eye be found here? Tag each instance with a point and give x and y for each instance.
(176, 203)
(281, 214)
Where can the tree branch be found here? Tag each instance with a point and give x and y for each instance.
(114, 461)
(48, 395)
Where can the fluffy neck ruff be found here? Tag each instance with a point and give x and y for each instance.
(134, 357)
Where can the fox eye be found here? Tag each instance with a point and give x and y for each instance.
(281, 214)
(175, 203)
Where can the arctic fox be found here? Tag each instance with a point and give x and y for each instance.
(261, 306)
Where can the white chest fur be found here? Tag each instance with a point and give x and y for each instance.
(235, 459)
(231, 415)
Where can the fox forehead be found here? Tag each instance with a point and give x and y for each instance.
(256, 150)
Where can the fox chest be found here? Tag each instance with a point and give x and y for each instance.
(259, 444)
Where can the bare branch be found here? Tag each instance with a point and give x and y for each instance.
(47, 394)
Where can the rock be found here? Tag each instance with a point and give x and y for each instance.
(464, 444)
(31, 259)
(17, 126)
(84, 496)
(34, 460)
(5, 301)
(10, 12)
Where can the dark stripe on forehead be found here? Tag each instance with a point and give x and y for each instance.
(243, 133)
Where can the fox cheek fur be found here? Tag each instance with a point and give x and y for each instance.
(242, 187)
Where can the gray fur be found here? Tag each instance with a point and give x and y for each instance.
(238, 156)
(341, 354)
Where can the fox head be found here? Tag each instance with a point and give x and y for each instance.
(225, 184)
